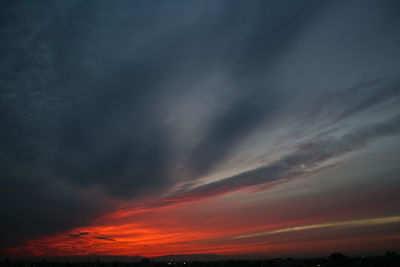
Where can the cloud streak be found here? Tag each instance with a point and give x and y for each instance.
(352, 223)
(300, 163)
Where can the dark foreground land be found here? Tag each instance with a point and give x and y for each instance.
(390, 259)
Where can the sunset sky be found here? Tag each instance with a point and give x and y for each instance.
(199, 127)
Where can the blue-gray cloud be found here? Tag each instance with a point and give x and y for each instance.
(84, 87)
(304, 161)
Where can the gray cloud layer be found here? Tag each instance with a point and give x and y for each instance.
(83, 93)
(307, 158)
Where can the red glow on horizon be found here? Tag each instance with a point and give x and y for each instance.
(158, 235)
(210, 226)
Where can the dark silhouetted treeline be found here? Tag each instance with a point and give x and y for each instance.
(390, 259)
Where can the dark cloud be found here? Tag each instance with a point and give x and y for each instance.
(368, 100)
(79, 235)
(104, 238)
(84, 123)
(327, 110)
(34, 204)
(88, 235)
(274, 31)
(350, 101)
(230, 128)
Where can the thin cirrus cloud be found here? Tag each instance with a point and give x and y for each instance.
(294, 165)
(352, 223)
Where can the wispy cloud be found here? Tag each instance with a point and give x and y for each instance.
(104, 238)
(346, 224)
(300, 163)
(81, 234)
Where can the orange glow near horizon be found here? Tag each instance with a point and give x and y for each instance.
(185, 229)
(136, 239)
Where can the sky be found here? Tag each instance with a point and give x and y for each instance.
(195, 127)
